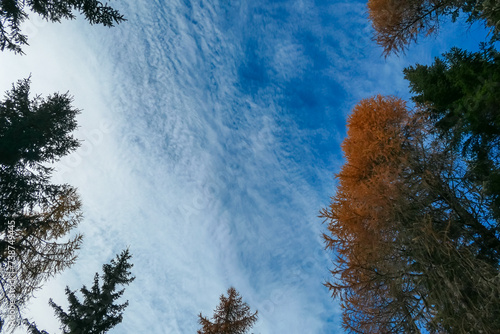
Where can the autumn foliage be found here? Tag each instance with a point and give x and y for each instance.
(360, 222)
(415, 247)
(44, 248)
(232, 316)
(372, 141)
(398, 23)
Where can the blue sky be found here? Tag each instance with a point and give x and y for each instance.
(211, 136)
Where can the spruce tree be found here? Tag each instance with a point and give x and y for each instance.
(98, 312)
(460, 91)
(33, 133)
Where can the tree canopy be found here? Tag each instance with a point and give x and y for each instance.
(416, 246)
(460, 94)
(98, 312)
(399, 23)
(14, 12)
(33, 133)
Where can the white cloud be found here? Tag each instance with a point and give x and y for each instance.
(181, 167)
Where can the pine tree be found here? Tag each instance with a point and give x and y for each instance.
(231, 316)
(98, 312)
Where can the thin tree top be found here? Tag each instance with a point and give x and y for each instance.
(232, 316)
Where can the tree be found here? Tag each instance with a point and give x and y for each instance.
(33, 133)
(491, 13)
(38, 252)
(361, 223)
(13, 13)
(414, 241)
(98, 312)
(231, 316)
(32, 328)
(399, 23)
(461, 94)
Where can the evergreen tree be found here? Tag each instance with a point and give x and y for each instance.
(231, 316)
(461, 92)
(98, 312)
(32, 329)
(33, 133)
(13, 13)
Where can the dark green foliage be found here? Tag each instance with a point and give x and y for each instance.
(98, 312)
(489, 10)
(462, 94)
(32, 329)
(13, 14)
(232, 316)
(35, 130)
(32, 133)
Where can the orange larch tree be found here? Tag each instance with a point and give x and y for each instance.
(232, 316)
(361, 220)
(404, 224)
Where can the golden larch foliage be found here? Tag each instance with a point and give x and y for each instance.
(397, 23)
(360, 217)
(372, 149)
